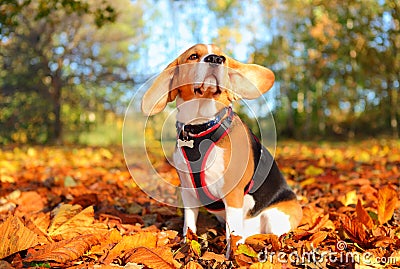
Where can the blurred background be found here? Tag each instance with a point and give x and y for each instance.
(69, 68)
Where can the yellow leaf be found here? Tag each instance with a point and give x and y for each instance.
(363, 157)
(307, 182)
(196, 247)
(350, 198)
(246, 250)
(313, 171)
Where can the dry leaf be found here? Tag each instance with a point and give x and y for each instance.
(320, 223)
(265, 265)
(356, 231)
(387, 202)
(140, 239)
(42, 221)
(65, 250)
(164, 237)
(61, 215)
(111, 238)
(15, 237)
(213, 256)
(318, 237)
(363, 217)
(193, 265)
(79, 224)
(159, 258)
(260, 241)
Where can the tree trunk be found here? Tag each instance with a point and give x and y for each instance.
(393, 112)
(56, 85)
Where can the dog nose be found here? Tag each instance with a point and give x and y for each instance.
(214, 59)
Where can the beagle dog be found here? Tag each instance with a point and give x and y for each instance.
(221, 164)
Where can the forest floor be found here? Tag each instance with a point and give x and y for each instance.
(78, 207)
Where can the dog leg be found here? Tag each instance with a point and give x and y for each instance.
(234, 225)
(190, 219)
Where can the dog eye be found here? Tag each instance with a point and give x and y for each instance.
(193, 57)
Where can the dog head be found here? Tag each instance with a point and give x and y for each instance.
(209, 79)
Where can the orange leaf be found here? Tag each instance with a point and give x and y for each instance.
(265, 265)
(260, 241)
(355, 230)
(66, 224)
(213, 256)
(64, 251)
(141, 239)
(387, 202)
(363, 217)
(193, 265)
(159, 258)
(15, 237)
(318, 237)
(320, 223)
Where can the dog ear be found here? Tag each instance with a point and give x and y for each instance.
(249, 81)
(161, 91)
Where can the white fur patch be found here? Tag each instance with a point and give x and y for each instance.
(234, 221)
(275, 222)
(196, 111)
(214, 172)
(209, 49)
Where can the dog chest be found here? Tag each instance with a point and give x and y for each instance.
(211, 165)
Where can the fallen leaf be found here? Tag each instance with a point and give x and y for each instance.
(350, 198)
(265, 265)
(111, 238)
(65, 250)
(15, 237)
(318, 237)
(213, 256)
(363, 216)
(260, 241)
(356, 231)
(79, 224)
(246, 250)
(313, 171)
(140, 239)
(243, 260)
(159, 258)
(195, 247)
(61, 215)
(164, 237)
(193, 265)
(387, 202)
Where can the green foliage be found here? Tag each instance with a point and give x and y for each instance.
(336, 67)
(54, 52)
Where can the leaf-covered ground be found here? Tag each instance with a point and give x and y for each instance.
(79, 208)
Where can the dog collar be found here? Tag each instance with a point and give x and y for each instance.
(195, 129)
